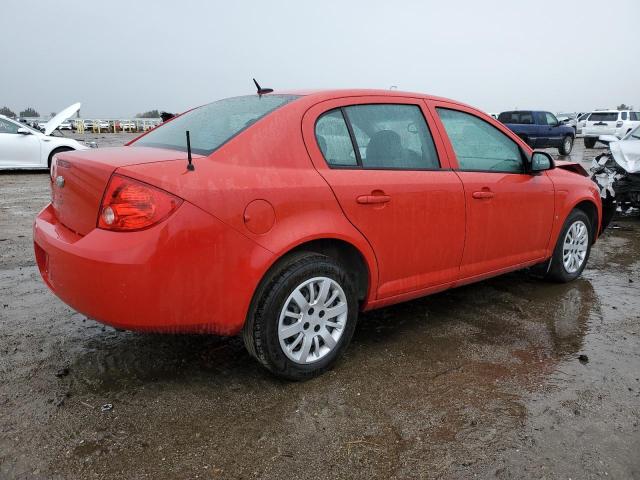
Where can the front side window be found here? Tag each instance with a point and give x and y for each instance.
(478, 145)
(8, 127)
(551, 119)
(392, 137)
(334, 141)
(212, 125)
(623, 115)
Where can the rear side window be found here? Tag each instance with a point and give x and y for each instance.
(520, 118)
(392, 137)
(479, 145)
(603, 117)
(635, 116)
(333, 139)
(210, 126)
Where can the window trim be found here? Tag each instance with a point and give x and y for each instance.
(523, 155)
(354, 143)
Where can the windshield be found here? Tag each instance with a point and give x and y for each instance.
(210, 126)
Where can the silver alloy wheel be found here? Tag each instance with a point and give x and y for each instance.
(312, 320)
(574, 250)
(567, 144)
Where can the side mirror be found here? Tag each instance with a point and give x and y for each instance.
(541, 161)
(24, 131)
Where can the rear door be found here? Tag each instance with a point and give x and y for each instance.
(509, 212)
(391, 178)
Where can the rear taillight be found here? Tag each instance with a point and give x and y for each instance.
(619, 123)
(132, 205)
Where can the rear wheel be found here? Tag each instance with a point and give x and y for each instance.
(304, 317)
(567, 145)
(589, 142)
(55, 151)
(572, 248)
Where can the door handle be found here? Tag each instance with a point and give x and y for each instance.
(483, 194)
(373, 199)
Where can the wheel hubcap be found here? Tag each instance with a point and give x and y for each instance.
(574, 250)
(312, 320)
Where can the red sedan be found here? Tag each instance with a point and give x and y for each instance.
(291, 212)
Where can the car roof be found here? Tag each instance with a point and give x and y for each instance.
(329, 94)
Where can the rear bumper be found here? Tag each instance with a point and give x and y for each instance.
(590, 132)
(189, 274)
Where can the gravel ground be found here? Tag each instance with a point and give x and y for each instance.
(483, 381)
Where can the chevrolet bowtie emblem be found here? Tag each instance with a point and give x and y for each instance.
(60, 181)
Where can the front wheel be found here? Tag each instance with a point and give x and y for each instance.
(567, 145)
(304, 317)
(572, 248)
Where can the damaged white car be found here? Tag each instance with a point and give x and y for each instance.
(617, 173)
(23, 147)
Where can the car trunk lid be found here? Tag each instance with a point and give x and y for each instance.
(79, 179)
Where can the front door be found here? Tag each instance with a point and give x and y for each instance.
(509, 212)
(384, 167)
(17, 150)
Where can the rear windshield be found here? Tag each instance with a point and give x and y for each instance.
(516, 117)
(212, 125)
(603, 117)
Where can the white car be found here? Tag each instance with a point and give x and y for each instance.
(65, 126)
(609, 122)
(24, 147)
(582, 121)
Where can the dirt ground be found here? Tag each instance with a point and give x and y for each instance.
(482, 381)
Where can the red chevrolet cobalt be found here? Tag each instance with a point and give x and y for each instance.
(283, 215)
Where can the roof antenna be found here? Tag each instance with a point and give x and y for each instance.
(190, 165)
(262, 91)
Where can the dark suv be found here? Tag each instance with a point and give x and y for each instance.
(540, 129)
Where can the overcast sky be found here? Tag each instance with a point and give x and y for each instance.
(123, 57)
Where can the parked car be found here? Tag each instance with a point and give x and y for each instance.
(617, 173)
(539, 129)
(582, 121)
(104, 125)
(609, 122)
(24, 147)
(128, 125)
(291, 213)
(570, 120)
(65, 126)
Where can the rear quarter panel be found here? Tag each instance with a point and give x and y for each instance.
(267, 163)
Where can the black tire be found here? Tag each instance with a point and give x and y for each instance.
(557, 271)
(260, 332)
(55, 151)
(567, 145)
(589, 142)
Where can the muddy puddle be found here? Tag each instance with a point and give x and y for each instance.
(484, 381)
